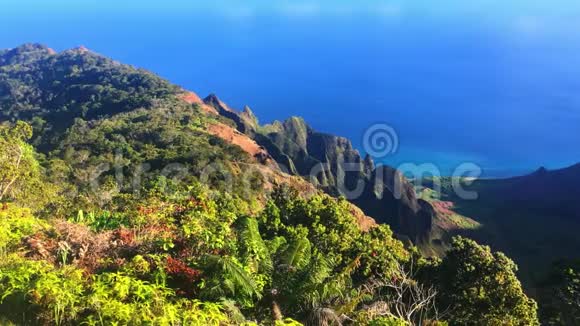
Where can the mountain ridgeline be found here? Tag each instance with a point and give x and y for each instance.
(67, 95)
(127, 200)
(331, 163)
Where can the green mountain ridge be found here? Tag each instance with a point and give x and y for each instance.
(331, 163)
(128, 200)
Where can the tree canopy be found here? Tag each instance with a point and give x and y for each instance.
(19, 169)
(480, 287)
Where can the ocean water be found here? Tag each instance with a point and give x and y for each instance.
(488, 83)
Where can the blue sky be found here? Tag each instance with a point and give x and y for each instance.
(492, 7)
(525, 16)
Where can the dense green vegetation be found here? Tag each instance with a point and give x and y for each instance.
(106, 219)
(54, 89)
(204, 257)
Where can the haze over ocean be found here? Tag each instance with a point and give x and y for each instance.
(488, 82)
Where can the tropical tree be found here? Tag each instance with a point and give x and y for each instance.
(227, 278)
(19, 169)
(479, 287)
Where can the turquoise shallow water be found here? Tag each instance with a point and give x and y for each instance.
(488, 84)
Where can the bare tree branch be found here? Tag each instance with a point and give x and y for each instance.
(403, 298)
(8, 186)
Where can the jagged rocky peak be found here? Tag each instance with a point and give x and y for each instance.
(218, 104)
(246, 121)
(249, 117)
(296, 129)
(248, 111)
(296, 123)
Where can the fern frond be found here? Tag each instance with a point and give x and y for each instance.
(234, 277)
(253, 248)
(298, 253)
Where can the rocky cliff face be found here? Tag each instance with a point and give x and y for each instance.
(331, 163)
(328, 161)
(389, 197)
